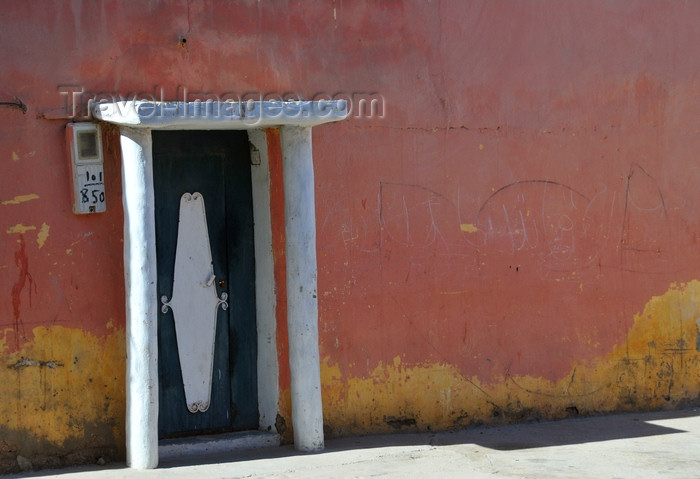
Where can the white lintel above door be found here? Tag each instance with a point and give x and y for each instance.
(220, 115)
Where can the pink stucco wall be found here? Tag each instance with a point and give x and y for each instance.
(521, 213)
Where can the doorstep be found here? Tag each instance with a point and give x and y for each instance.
(219, 443)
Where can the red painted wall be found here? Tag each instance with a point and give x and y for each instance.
(528, 189)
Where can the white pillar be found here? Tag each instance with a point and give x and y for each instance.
(265, 296)
(141, 302)
(302, 302)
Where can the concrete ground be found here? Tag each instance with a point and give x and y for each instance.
(645, 445)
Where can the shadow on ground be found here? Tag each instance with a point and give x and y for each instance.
(504, 438)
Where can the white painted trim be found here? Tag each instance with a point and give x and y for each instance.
(265, 295)
(220, 115)
(302, 301)
(140, 264)
(141, 300)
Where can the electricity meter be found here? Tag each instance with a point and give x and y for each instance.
(84, 142)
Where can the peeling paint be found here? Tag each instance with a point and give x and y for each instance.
(657, 366)
(38, 400)
(503, 264)
(43, 235)
(20, 229)
(20, 199)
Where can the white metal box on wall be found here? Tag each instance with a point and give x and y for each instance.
(84, 144)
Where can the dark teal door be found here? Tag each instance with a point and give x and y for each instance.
(216, 165)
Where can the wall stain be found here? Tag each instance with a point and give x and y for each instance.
(400, 422)
(26, 362)
(23, 277)
(20, 199)
(20, 229)
(40, 413)
(43, 235)
(657, 366)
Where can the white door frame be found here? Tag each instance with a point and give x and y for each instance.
(136, 119)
